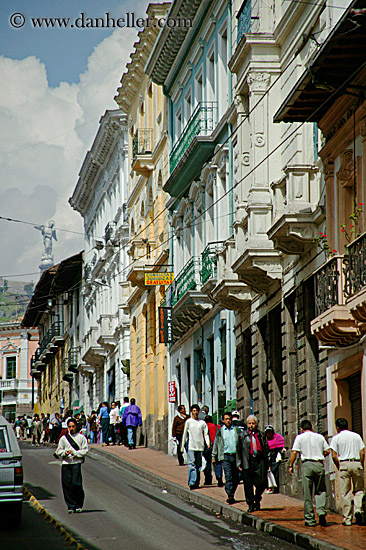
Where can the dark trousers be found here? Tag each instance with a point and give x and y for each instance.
(275, 468)
(179, 451)
(72, 485)
(255, 478)
(104, 423)
(124, 434)
(207, 453)
(231, 474)
(114, 433)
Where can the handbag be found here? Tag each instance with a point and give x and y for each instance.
(74, 445)
(271, 482)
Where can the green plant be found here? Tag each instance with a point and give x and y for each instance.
(322, 242)
(351, 232)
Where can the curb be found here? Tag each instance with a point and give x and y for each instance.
(284, 533)
(68, 537)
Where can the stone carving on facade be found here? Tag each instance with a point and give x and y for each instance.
(363, 127)
(328, 165)
(258, 82)
(210, 184)
(246, 158)
(259, 140)
(346, 172)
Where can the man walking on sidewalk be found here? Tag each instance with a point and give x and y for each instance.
(131, 419)
(312, 448)
(197, 433)
(224, 451)
(253, 458)
(348, 453)
(72, 448)
(178, 429)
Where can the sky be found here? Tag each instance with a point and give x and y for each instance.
(55, 84)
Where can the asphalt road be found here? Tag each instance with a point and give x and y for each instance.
(124, 511)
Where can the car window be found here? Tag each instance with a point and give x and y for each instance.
(4, 445)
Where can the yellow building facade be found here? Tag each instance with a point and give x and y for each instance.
(144, 103)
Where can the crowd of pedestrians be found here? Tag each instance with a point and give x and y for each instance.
(239, 451)
(109, 425)
(233, 450)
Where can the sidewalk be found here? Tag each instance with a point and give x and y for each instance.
(280, 515)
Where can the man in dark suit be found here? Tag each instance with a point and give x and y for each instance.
(253, 460)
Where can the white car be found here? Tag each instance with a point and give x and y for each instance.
(11, 474)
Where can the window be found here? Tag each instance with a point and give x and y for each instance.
(211, 77)
(11, 368)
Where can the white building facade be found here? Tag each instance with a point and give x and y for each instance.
(100, 196)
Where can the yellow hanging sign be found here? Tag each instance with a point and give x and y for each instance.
(159, 278)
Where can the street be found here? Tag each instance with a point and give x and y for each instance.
(124, 511)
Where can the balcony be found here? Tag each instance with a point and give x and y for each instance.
(228, 291)
(73, 358)
(109, 233)
(259, 268)
(35, 372)
(209, 262)
(38, 364)
(334, 324)
(297, 216)
(93, 353)
(355, 288)
(9, 385)
(66, 375)
(187, 299)
(244, 19)
(107, 326)
(194, 145)
(142, 150)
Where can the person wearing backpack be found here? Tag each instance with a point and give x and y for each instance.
(72, 448)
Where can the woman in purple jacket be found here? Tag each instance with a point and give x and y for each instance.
(131, 419)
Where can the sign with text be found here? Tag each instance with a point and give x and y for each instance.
(165, 325)
(159, 278)
(172, 392)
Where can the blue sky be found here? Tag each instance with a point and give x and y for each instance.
(55, 86)
(64, 51)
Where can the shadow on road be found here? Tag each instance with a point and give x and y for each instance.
(39, 492)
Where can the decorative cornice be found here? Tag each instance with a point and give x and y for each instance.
(111, 125)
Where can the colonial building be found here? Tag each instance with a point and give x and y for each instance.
(330, 93)
(55, 309)
(17, 389)
(100, 196)
(192, 65)
(145, 107)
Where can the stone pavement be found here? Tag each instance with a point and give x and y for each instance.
(280, 515)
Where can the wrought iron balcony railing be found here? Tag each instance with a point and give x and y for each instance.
(187, 279)
(329, 285)
(209, 262)
(244, 19)
(109, 231)
(201, 123)
(356, 266)
(142, 142)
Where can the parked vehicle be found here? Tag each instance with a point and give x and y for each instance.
(11, 474)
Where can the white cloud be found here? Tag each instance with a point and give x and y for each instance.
(45, 134)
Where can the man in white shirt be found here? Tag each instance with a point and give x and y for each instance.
(72, 448)
(197, 433)
(114, 420)
(348, 453)
(313, 448)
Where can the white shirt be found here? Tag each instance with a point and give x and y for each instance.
(347, 445)
(198, 434)
(77, 456)
(311, 445)
(113, 415)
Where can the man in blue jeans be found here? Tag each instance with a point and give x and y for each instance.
(197, 432)
(224, 451)
(131, 419)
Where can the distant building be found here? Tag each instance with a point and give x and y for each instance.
(17, 345)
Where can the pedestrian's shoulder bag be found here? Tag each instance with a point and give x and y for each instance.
(74, 445)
